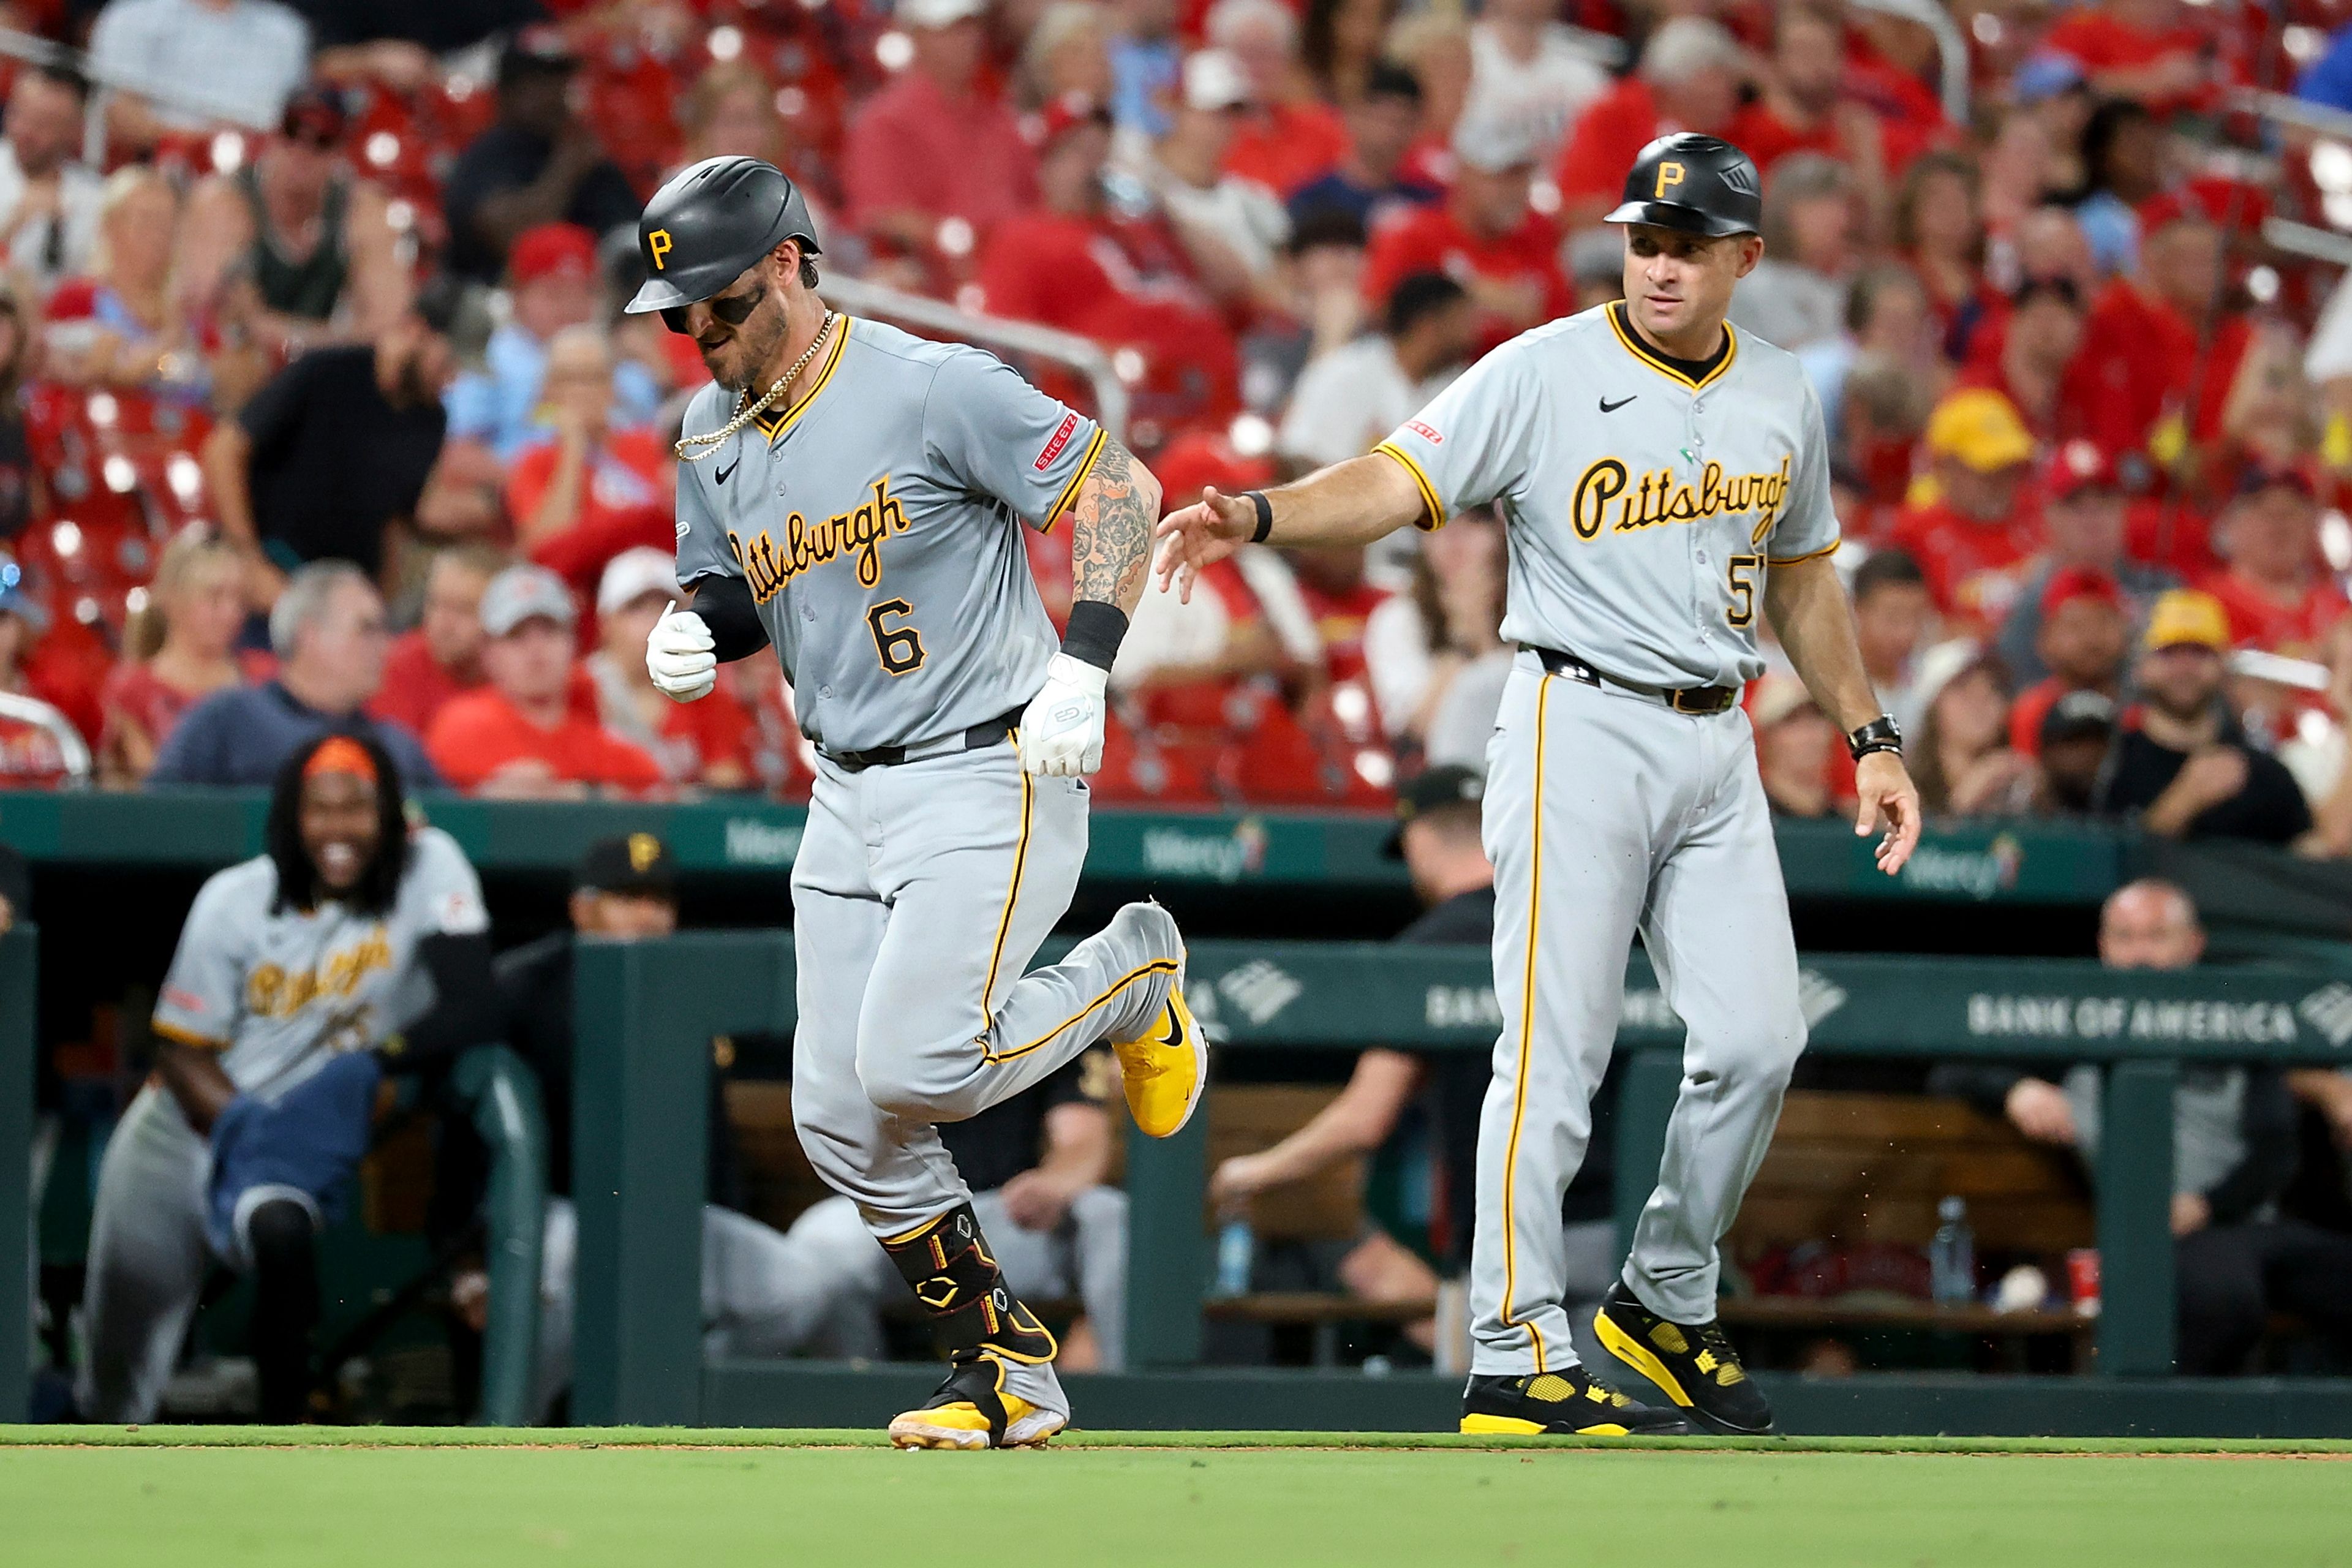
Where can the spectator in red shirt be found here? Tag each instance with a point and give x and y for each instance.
(2083, 640)
(1804, 108)
(2083, 526)
(1689, 79)
(1485, 237)
(2277, 592)
(1974, 538)
(1292, 138)
(179, 649)
(707, 743)
(441, 655)
(587, 491)
(2145, 338)
(519, 736)
(934, 161)
(1077, 263)
(32, 742)
(2033, 357)
(2142, 49)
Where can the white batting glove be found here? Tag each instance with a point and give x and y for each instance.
(1062, 731)
(678, 656)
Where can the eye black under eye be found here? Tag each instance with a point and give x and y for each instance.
(735, 309)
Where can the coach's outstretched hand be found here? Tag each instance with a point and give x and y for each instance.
(1887, 797)
(679, 656)
(1201, 535)
(1062, 729)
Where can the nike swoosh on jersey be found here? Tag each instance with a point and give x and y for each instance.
(1606, 406)
(730, 468)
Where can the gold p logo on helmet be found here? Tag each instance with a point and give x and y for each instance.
(657, 245)
(644, 850)
(1669, 173)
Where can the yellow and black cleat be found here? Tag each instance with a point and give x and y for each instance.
(1692, 1363)
(972, 1410)
(1164, 1069)
(1566, 1404)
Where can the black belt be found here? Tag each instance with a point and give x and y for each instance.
(1695, 699)
(979, 738)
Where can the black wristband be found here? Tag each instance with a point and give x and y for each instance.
(1095, 632)
(1265, 515)
(1881, 734)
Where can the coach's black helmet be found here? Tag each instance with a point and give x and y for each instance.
(1699, 184)
(706, 227)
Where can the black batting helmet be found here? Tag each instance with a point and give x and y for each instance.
(710, 223)
(1699, 184)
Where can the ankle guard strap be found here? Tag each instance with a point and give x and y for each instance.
(972, 1313)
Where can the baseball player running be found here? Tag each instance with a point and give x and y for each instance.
(850, 496)
(1665, 480)
(348, 939)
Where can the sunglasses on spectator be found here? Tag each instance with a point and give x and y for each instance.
(733, 308)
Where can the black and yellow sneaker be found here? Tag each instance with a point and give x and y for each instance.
(1566, 1404)
(1692, 1363)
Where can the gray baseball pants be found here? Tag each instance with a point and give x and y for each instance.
(1608, 813)
(148, 1257)
(920, 893)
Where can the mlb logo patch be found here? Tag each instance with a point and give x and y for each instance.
(1426, 434)
(1061, 439)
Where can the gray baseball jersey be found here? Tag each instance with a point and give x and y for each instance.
(1644, 502)
(1643, 506)
(274, 990)
(876, 524)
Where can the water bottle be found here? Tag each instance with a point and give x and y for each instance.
(1236, 1249)
(1952, 1255)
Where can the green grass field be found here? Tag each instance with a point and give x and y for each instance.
(92, 1496)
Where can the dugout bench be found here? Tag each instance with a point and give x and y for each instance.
(648, 1010)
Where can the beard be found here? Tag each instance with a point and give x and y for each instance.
(756, 341)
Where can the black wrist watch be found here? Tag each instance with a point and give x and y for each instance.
(1881, 734)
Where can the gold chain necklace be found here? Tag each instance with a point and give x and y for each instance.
(744, 415)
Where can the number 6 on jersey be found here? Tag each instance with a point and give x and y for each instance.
(901, 648)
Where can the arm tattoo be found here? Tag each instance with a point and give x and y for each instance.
(1110, 528)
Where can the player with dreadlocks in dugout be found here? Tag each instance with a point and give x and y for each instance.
(352, 942)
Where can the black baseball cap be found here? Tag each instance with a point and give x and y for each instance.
(1426, 791)
(2078, 715)
(634, 865)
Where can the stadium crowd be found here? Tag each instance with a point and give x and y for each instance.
(316, 408)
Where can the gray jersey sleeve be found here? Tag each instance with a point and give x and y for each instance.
(702, 549)
(995, 435)
(1476, 438)
(1808, 524)
(203, 999)
(440, 895)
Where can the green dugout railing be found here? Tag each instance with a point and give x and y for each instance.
(646, 1012)
(1965, 864)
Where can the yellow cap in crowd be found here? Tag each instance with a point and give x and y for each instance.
(2186, 615)
(1981, 428)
